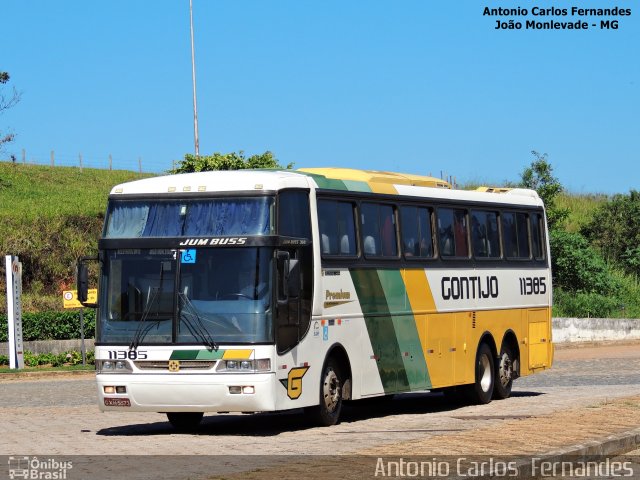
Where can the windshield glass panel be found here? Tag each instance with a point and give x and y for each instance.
(224, 296)
(140, 293)
(227, 293)
(218, 216)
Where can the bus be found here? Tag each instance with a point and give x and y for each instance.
(267, 290)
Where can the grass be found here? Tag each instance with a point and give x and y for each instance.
(581, 207)
(50, 216)
(65, 368)
(30, 191)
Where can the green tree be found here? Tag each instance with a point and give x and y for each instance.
(615, 230)
(539, 177)
(578, 267)
(227, 161)
(584, 284)
(6, 102)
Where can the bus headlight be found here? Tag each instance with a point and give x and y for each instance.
(244, 366)
(113, 366)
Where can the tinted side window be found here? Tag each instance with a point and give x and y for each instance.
(417, 238)
(378, 230)
(485, 238)
(537, 237)
(515, 234)
(293, 214)
(337, 228)
(453, 232)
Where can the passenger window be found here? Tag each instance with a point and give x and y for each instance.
(453, 232)
(536, 236)
(378, 230)
(485, 238)
(293, 214)
(337, 228)
(417, 238)
(516, 235)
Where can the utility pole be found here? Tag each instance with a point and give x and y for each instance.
(193, 76)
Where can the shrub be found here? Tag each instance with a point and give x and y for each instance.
(579, 268)
(52, 325)
(72, 357)
(615, 230)
(585, 305)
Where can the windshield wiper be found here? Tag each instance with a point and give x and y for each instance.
(197, 328)
(143, 329)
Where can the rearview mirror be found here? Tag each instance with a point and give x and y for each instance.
(82, 280)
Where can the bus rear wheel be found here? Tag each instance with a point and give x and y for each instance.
(185, 421)
(481, 391)
(327, 413)
(504, 374)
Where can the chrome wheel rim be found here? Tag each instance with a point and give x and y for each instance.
(506, 369)
(331, 391)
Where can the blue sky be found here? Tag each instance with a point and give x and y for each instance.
(412, 86)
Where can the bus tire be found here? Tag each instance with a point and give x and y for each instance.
(504, 374)
(327, 413)
(185, 421)
(481, 391)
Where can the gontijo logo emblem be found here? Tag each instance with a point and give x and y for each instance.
(293, 383)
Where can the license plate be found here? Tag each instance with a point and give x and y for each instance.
(117, 402)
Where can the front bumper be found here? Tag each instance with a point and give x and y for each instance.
(187, 393)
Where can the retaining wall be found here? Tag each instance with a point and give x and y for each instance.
(50, 346)
(568, 330)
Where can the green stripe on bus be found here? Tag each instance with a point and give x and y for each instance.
(324, 182)
(357, 186)
(196, 354)
(381, 330)
(406, 332)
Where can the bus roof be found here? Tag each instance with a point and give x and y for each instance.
(377, 181)
(345, 179)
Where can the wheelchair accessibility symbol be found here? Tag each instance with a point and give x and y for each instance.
(188, 256)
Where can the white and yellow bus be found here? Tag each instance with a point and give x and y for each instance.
(255, 291)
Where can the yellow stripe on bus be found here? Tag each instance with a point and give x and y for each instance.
(237, 354)
(378, 187)
(421, 300)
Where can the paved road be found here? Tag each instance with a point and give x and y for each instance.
(60, 416)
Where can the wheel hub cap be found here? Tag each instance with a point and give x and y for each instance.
(331, 391)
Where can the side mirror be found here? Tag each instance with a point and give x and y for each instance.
(83, 282)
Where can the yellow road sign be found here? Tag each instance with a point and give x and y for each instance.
(70, 298)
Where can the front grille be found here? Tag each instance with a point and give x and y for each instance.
(184, 364)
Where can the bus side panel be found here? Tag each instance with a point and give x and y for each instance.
(392, 329)
(341, 324)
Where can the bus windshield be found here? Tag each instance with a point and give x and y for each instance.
(178, 218)
(197, 296)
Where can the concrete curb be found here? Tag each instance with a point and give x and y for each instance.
(594, 450)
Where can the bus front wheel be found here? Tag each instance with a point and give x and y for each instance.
(327, 413)
(185, 421)
(481, 391)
